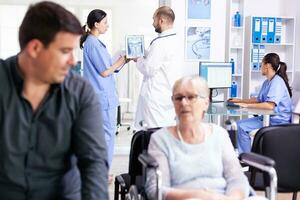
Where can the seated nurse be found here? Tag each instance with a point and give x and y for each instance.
(196, 158)
(275, 94)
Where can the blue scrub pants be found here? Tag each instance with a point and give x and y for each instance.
(245, 126)
(110, 128)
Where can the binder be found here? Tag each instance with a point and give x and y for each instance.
(271, 30)
(278, 29)
(255, 61)
(264, 29)
(261, 54)
(256, 29)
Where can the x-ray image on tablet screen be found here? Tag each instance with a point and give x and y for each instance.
(134, 46)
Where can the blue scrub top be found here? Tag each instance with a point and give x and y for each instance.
(96, 59)
(275, 91)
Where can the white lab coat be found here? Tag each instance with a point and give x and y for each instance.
(160, 67)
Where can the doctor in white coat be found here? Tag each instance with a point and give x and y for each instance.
(160, 68)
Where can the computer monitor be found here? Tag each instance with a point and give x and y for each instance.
(217, 74)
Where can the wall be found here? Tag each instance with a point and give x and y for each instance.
(131, 17)
(135, 17)
(262, 7)
(279, 8)
(218, 23)
(128, 17)
(290, 8)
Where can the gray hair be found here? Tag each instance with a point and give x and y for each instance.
(198, 83)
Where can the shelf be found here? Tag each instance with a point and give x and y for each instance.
(274, 44)
(237, 27)
(237, 75)
(277, 16)
(260, 71)
(235, 42)
(237, 47)
(257, 50)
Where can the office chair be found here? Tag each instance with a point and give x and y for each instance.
(281, 143)
(139, 144)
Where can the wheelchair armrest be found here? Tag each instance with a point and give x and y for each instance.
(296, 113)
(133, 193)
(121, 181)
(265, 164)
(256, 160)
(295, 117)
(147, 160)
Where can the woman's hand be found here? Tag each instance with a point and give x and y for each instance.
(128, 59)
(213, 195)
(207, 194)
(234, 100)
(202, 194)
(243, 105)
(122, 60)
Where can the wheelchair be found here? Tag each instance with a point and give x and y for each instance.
(257, 161)
(139, 144)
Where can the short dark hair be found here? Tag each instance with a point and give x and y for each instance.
(44, 20)
(166, 12)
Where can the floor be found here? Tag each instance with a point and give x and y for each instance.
(121, 156)
(120, 161)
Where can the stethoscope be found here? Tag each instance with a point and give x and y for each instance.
(162, 37)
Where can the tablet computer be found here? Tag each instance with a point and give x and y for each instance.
(134, 46)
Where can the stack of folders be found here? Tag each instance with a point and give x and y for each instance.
(266, 30)
(258, 52)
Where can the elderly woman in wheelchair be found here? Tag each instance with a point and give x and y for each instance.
(196, 159)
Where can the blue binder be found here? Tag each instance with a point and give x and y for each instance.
(255, 61)
(264, 29)
(271, 30)
(261, 54)
(278, 29)
(256, 29)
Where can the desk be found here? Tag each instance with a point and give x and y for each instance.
(220, 109)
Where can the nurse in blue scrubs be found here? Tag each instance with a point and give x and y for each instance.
(98, 68)
(275, 94)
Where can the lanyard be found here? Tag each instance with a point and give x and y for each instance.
(161, 37)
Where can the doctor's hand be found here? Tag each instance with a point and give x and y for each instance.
(135, 59)
(127, 60)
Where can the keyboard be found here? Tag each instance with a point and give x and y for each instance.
(231, 104)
